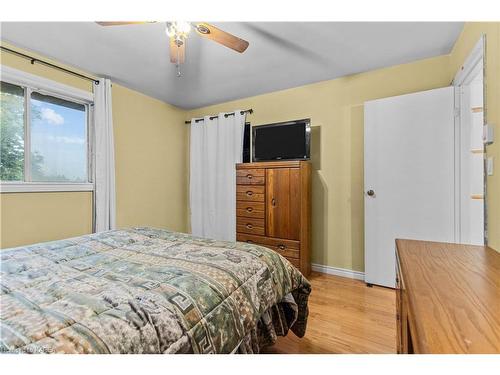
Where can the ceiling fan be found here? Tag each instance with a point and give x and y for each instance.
(179, 31)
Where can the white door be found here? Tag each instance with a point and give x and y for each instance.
(409, 176)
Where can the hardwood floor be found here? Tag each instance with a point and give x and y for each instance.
(345, 316)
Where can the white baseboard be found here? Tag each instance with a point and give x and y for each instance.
(343, 272)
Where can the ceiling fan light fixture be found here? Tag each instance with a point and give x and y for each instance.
(178, 29)
(184, 27)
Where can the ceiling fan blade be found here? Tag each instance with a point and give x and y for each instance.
(120, 23)
(177, 52)
(217, 35)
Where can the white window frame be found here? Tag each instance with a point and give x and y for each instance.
(30, 83)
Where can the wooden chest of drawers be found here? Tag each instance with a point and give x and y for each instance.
(273, 208)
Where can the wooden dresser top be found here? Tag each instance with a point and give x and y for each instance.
(273, 164)
(453, 295)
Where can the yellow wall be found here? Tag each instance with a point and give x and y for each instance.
(150, 149)
(469, 37)
(36, 217)
(150, 144)
(336, 111)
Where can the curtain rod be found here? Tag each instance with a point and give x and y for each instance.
(46, 63)
(249, 111)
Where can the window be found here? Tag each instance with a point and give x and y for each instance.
(58, 134)
(44, 140)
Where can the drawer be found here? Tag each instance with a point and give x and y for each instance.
(250, 193)
(250, 176)
(250, 225)
(250, 209)
(295, 262)
(287, 248)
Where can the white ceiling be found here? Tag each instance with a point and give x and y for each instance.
(281, 54)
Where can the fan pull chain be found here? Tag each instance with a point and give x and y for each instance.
(177, 64)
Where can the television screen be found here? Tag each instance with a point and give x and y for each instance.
(283, 141)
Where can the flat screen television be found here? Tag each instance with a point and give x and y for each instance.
(282, 141)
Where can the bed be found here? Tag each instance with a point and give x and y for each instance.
(146, 290)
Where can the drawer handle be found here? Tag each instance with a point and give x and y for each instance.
(249, 241)
(249, 176)
(273, 202)
(281, 247)
(249, 226)
(249, 193)
(249, 209)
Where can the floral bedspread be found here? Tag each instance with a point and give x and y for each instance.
(145, 290)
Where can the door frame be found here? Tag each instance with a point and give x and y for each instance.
(464, 74)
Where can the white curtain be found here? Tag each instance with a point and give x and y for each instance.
(104, 162)
(216, 146)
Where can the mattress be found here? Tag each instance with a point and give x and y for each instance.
(146, 290)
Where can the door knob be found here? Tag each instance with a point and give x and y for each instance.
(370, 193)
